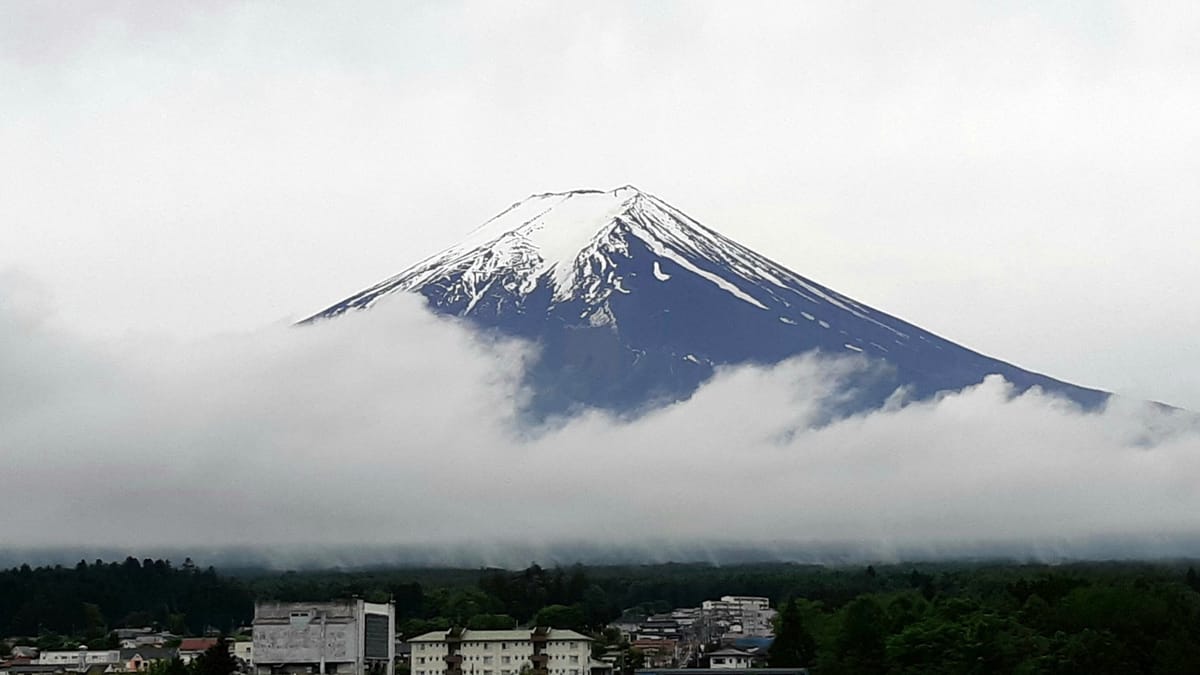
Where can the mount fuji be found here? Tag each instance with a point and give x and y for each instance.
(633, 303)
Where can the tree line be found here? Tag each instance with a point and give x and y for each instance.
(1062, 621)
(87, 600)
(928, 618)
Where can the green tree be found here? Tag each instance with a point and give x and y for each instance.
(860, 646)
(794, 645)
(216, 660)
(93, 622)
(177, 624)
(411, 628)
(491, 622)
(636, 660)
(561, 616)
(49, 641)
(174, 666)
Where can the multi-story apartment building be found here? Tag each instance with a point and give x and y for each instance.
(540, 651)
(739, 614)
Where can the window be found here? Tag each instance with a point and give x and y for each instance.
(505, 659)
(574, 658)
(503, 645)
(487, 660)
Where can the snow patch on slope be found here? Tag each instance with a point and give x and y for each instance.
(724, 285)
(659, 274)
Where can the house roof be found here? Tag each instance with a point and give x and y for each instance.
(720, 671)
(148, 653)
(753, 642)
(469, 635)
(196, 644)
(31, 667)
(729, 652)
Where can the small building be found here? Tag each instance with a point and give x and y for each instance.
(138, 659)
(190, 648)
(351, 637)
(81, 659)
(146, 640)
(662, 626)
(658, 652)
(729, 658)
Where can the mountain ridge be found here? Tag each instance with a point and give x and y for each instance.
(633, 302)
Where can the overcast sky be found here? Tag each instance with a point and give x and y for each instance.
(1018, 177)
(179, 182)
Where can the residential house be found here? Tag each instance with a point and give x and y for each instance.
(138, 659)
(730, 658)
(79, 660)
(192, 647)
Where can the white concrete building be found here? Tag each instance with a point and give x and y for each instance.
(730, 659)
(746, 615)
(350, 637)
(501, 652)
(80, 659)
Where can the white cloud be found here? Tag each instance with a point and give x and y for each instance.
(393, 427)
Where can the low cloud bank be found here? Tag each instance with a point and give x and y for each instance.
(397, 431)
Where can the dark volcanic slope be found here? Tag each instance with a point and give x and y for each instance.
(634, 302)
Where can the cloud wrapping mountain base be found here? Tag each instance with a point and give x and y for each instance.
(396, 427)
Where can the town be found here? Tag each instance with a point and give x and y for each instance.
(731, 635)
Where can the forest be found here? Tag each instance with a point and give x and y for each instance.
(926, 618)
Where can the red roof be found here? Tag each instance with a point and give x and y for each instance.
(196, 644)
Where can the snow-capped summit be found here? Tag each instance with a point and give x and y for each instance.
(633, 301)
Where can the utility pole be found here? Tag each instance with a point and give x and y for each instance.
(321, 649)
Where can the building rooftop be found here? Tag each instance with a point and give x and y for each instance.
(729, 651)
(469, 635)
(721, 671)
(196, 644)
(148, 653)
